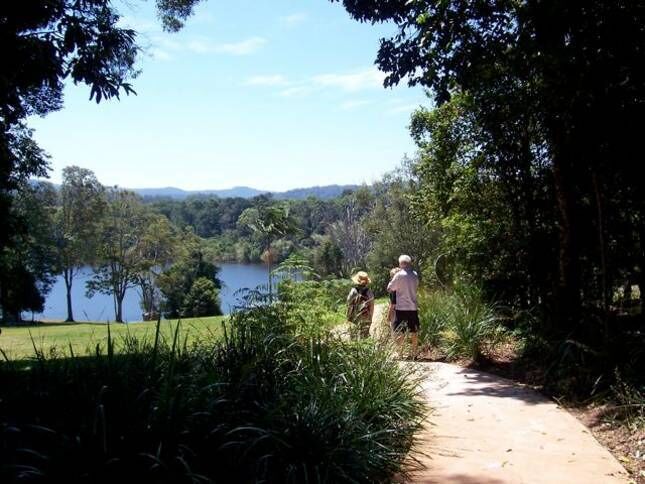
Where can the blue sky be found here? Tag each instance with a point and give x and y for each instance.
(271, 94)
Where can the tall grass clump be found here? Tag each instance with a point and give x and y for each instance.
(459, 322)
(261, 404)
(434, 316)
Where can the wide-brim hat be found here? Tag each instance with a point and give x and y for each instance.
(361, 278)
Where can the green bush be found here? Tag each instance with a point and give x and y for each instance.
(202, 299)
(260, 405)
(458, 321)
(473, 324)
(315, 304)
(434, 316)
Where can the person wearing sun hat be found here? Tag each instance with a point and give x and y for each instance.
(360, 304)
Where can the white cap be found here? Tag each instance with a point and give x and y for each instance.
(405, 259)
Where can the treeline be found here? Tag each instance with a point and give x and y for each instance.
(167, 249)
(217, 219)
(529, 166)
(127, 244)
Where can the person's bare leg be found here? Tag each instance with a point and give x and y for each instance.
(399, 340)
(414, 340)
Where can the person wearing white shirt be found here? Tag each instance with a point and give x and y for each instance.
(404, 285)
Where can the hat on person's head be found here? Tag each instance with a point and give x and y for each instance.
(361, 278)
(405, 259)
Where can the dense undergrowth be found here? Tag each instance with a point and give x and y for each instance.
(270, 401)
(459, 323)
(603, 360)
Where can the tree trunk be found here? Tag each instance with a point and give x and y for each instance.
(567, 297)
(550, 44)
(601, 241)
(269, 260)
(119, 309)
(68, 287)
(119, 295)
(3, 297)
(641, 275)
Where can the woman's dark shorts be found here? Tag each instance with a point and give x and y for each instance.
(406, 321)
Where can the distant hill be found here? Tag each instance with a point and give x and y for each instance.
(322, 192)
(178, 193)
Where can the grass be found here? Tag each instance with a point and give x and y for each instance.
(263, 402)
(458, 322)
(18, 342)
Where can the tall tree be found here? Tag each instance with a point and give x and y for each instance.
(77, 222)
(44, 43)
(158, 249)
(559, 69)
(269, 222)
(29, 262)
(119, 248)
(176, 282)
(349, 234)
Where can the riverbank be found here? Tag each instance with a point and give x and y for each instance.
(233, 277)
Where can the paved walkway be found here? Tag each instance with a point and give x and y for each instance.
(487, 430)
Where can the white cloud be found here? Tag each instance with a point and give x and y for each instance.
(294, 19)
(200, 46)
(403, 108)
(159, 54)
(295, 91)
(357, 103)
(202, 17)
(349, 82)
(243, 47)
(142, 26)
(166, 43)
(267, 80)
(206, 46)
(357, 81)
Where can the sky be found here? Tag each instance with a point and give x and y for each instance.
(273, 94)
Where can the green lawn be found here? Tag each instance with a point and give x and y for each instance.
(50, 338)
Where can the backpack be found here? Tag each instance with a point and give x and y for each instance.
(359, 306)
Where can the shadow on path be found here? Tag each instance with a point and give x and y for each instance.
(491, 386)
(485, 429)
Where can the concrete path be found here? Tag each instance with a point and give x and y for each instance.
(484, 429)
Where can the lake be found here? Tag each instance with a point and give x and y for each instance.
(101, 307)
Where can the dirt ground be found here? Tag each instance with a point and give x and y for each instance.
(626, 442)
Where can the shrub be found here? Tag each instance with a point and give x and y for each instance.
(202, 299)
(260, 405)
(315, 305)
(434, 316)
(458, 321)
(630, 401)
(473, 324)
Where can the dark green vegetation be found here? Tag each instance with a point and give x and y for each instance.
(232, 239)
(526, 184)
(459, 322)
(127, 244)
(528, 167)
(273, 401)
(44, 43)
(164, 248)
